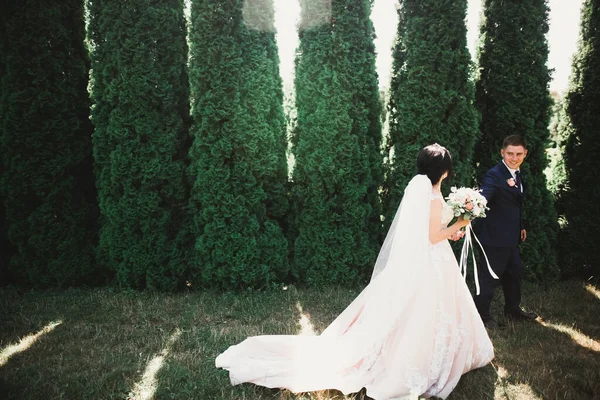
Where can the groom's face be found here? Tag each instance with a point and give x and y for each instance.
(513, 156)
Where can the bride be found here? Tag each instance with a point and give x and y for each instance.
(413, 331)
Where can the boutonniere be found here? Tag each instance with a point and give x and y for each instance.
(511, 182)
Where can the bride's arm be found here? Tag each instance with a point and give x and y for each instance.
(436, 232)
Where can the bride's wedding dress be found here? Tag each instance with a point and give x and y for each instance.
(413, 331)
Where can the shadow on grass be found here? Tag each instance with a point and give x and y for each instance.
(23, 315)
(554, 357)
(100, 350)
(217, 321)
(577, 307)
(537, 362)
(477, 384)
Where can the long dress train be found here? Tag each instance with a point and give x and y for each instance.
(413, 331)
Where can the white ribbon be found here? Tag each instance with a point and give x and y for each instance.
(464, 255)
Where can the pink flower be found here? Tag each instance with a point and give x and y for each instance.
(469, 206)
(511, 182)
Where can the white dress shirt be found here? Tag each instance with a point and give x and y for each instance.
(513, 172)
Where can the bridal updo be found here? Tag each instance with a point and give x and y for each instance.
(433, 161)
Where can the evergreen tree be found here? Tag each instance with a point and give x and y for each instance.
(46, 184)
(581, 130)
(7, 248)
(512, 96)
(7, 251)
(559, 125)
(336, 144)
(238, 165)
(432, 97)
(140, 91)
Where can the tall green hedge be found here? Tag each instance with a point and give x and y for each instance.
(7, 248)
(140, 92)
(336, 144)
(431, 95)
(46, 184)
(238, 167)
(555, 171)
(512, 96)
(581, 130)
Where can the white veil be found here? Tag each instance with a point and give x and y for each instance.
(409, 231)
(356, 347)
(402, 259)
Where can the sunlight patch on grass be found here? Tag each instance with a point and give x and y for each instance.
(146, 388)
(502, 372)
(576, 336)
(306, 327)
(515, 391)
(504, 388)
(593, 290)
(25, 343)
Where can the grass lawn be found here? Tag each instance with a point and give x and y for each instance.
(102, 344)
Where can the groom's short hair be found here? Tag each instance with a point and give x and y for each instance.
(514, 140)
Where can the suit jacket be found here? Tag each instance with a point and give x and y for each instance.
(504, 222)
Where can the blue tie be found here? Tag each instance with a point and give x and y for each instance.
(518, 180)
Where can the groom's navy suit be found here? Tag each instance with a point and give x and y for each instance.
(500, 235)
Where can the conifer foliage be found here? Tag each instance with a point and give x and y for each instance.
(512, 96)
(140, 92)
(431, 95)
(581, 131)
(336, 144)
(238, 167)
(46, 184)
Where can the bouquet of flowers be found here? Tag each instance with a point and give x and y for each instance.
(467, 202)
(471, 204)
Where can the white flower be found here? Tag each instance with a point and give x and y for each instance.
(467, 202)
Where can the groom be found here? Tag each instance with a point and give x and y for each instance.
(501, 232)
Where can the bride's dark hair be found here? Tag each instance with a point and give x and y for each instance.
(433, 161)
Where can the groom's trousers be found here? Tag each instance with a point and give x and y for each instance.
(506, 263)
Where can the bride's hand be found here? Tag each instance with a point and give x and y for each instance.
(460, 221)
(457, 235)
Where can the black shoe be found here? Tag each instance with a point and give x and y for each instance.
(519, 314)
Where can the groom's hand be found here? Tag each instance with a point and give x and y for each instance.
(523, 235)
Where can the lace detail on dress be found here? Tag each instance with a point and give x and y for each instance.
(415, 381)
(451, 338)
(441, 346)
(463, 335)
(367, 362)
